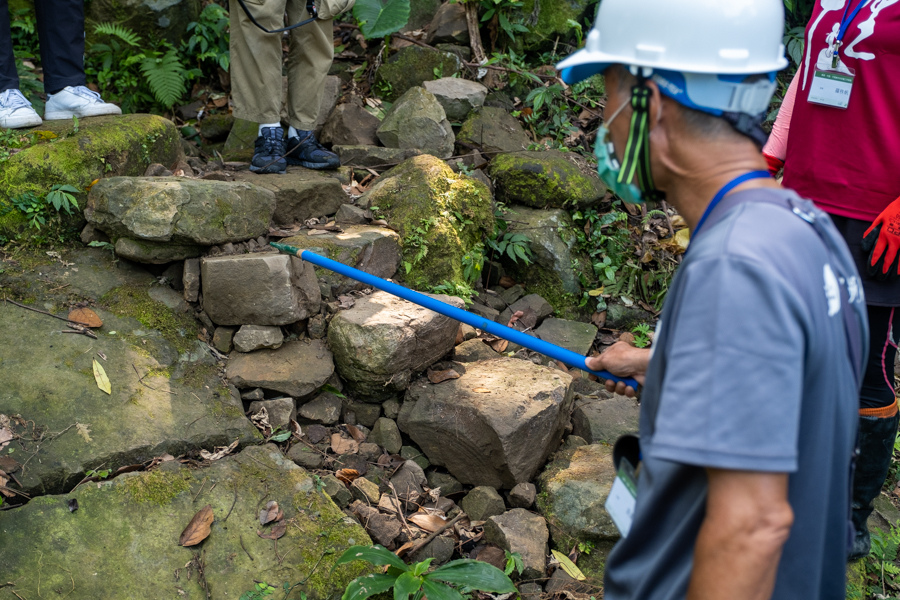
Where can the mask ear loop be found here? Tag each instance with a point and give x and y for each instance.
(636, 160)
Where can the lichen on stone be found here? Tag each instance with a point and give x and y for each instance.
(156, 487)
(179, 329)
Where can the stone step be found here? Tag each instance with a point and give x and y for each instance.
(300, 193)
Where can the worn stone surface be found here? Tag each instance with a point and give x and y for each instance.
(440, 549)
(373, 156)
(417, 120)
(258, 289)
(492, 130)
(190, 279)
(223, 339)
(483, 502)
(298, 369)
(138, 518)
(485, 311)
(179, 210)
(382, 341)
(383, 528)
(316, 327)
(605, 420)
(306, 457)
(299, 194)
(362, 413)
(497, 438)
(256, 337)
(408, 481)
(336, 489)
(546, 179)
(350, 125)
(215, 128)
(449, 25)
(522, 495)
(414, 454)
(458, 96)
(420, 14)
(448, 483)
(541, 308)
(552, 240)
(574, 489)
(281, 411)
(324, 408)
(550, 20)
(239, 145)
(423, 193)
(352, 215)
(369, 248)
(524, 532)
(365, 491)
(385, 434)
(154, 253)
(411, 66)
(571, 335)
(473, 351)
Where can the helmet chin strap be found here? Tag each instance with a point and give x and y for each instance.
(636, 161)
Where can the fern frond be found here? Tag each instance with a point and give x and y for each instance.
(166, 77)
(118, 31)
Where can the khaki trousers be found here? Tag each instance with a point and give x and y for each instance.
(256, 86)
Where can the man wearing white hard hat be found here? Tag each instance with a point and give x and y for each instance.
(738, 486)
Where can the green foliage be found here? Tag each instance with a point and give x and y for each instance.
(641, 335)
(259, 591)
(40, 211)
(23, 32)
(209, 39)
(514, 562)
(500, 10)
(166, 76)
(12, 140)
(460, 290)
(415, 580)
(504, 243)
(101, 474)
(882, 575)
(416, 241)
(61, 198)
(379, 18)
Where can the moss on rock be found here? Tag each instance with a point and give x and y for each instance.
(179, 329)
(553, 18)
(412, 66)
(156, 487)
(545, 179)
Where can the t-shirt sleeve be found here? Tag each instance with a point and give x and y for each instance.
(731, 395)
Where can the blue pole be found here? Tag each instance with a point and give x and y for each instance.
(573, 359)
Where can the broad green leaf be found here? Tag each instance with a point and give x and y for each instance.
(405, 585)
(377, 555)
(473, 574)
(280, 437)
(421, 567)
(438, 591)
(102, 379)
(378, 18)
(568, 566)
(368, 585)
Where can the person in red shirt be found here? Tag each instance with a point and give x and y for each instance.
(837, 137)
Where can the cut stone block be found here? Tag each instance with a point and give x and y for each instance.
(605, 420)
(300, 194)
(298, 369)
(373, 156)
(256, 337)
(154, 253)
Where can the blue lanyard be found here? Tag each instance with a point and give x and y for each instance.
(724, 192)
(845, 22)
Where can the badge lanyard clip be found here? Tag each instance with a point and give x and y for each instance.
(845, 24)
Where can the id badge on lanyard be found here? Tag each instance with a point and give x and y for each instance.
(622, 498)
(831, 88)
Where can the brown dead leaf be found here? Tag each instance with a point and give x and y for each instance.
(439, 376)
(499, 345)
(481, 390)
(507, 282)
(403, 549)
(460, 336)
(341, 444)
(8, 464)
(269, 513)
(429, 523)
(515, 317)
(347, 475)
(3, 481)
(198, 529)
(562, 366)
(278, 530)
(219, 453)
(86, 317)
(220, 101)
(356, 433)
(599, 319)
(627, 337)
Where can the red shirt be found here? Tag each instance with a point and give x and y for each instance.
(848, 160)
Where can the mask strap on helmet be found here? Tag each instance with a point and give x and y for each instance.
(636, 160)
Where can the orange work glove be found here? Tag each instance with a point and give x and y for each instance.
(882, 242)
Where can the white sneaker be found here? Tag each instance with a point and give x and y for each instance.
(77, 101)
(16, 111)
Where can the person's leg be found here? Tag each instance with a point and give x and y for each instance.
(9, 78)
(256, 61)
(309, 58)
(878, 419)
(60, 25)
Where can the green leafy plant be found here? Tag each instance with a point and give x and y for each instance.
(259, 591)
(23, 31)
(514, 562)
(380, 18)
(460, 290)
(209, 39)
(12, 140)
(586, 547)
(641, 335)
(415, 580)
(101, 474)
(416, 241)
(61, 198)
(499, 11)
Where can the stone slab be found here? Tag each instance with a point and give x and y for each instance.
(300, 194)
(298, 369)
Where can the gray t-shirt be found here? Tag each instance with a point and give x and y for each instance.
(750, 372)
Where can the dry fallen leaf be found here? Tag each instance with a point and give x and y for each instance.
(429, 523)
(86, 317)
(219, 453)
(356, 433)
(599, 319)
(481, 390)
(269, 513)
(439, 376)
(507, 282)
(277, 531)
(343, 445)
(499, 345)
(347, 475)
(198, 529)
(9, 464)
(568, 566)
(3, 481)
(102, 379)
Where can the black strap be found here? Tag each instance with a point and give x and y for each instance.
(310, 9)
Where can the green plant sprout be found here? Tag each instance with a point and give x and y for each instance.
(641, 335)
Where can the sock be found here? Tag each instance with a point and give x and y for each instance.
(297, 133)
(267, 125)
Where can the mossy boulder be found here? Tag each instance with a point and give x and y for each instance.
(122, 541)
(550, 20)
(491, 129)
(440, 216)
(412, 66)
(101, 147)
(546, 179)
(153, 20)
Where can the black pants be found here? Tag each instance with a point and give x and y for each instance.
(878, 381)
(60, 25)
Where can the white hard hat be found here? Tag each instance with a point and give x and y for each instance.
(711, 43)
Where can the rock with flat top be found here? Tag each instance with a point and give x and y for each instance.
(524, 532)
(417, 120)
(298, 369)
(458, 96)
(350, 125)
(256, 337)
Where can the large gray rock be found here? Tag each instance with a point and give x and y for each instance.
(255, 337)
(138, 518)
(495, 425)
(298, 369)
(155, 253)
(531, 302)
(449, 25)
(350, 125)
(417, 120)
(382, 341)
(411, 66)
(524, 532)
(574, 489)
(473, 351)
(373, 156)
(571, 335)
(492, 130)
(458, 96)
(552, 245)
(605, 420)
(258, 289)
(299, 194)
(179, 210)
(546, 179)
(373, 249)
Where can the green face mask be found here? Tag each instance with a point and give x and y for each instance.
(608, 166)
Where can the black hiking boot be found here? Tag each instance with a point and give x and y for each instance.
(305, 151)
(876, 446)
(268, 152)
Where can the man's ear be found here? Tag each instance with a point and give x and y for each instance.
(656, 104)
